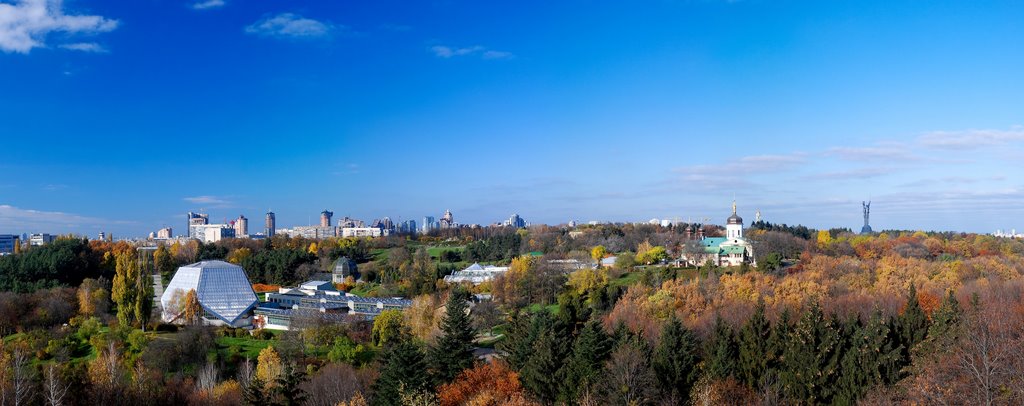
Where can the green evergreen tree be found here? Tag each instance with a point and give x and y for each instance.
(754, 351)
(722, 351)
(675, 361)
(873, 359)
(520, 335)
(913, 325)
(403, 364)
(288, 392)
(253, 393)
(778, 340)
(541, 374)
(589, 352)
(945, 323)
(812, 358)
(453, 352)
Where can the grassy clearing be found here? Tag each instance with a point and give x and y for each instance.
(245, 346)
(626, 279)
(537, 308)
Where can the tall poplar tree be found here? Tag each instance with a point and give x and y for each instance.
(124, 289)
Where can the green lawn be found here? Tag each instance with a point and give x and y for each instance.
(537, 307)
(626, 279)
(247, 346)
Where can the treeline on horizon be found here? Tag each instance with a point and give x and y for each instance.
(826, 316)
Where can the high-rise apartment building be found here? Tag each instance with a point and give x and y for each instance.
(325, 218)
(165, 233)
(271, 225)
(241, 226)
(428, 224)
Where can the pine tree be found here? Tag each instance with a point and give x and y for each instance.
(754, 351)
(288, 392)
(253, 394)
(778, 341)
(589, 352)
(945, 322)
(913, 325)
(541, 374)
(812, 358)
(403, 364)
(518, 343)
(675, 361)
(872, 359)
(454, 350)
(721, 352)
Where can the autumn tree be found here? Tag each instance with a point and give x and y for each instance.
(93, 298)
(387, 326)
(125, 289)
(598, 252)
(269, 367)
(487, 384)
(629, 379)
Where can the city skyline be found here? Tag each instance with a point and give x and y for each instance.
(120, 117)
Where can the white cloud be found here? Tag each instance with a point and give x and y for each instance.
(208, 4)
(85, 47)
(210, 201)
(289, 25)
(444, 51)
(893, 152)
(970, 139)
(27, 220)
(25, 24)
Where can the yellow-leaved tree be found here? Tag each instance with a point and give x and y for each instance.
(269, 367)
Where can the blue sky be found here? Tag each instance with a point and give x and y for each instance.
(123, 115)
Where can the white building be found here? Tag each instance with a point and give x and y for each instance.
(211, 232)
(476, 274)
(36, 240)
(364, 232)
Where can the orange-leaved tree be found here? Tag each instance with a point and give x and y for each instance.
(489, 383)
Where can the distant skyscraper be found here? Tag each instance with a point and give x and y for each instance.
(271, 225)
(241, 226)
(102, 236)
(515, 221)
(325, 218)
(428, 224)
(408, 227)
